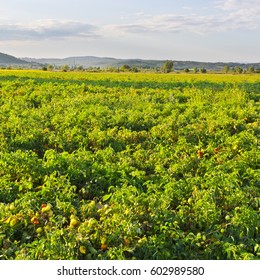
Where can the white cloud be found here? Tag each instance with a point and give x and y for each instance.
(200, 24)
(238, 4)
(46, 29)
(249, 9)
(227, 15)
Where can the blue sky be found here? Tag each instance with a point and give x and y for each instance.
(202, 30)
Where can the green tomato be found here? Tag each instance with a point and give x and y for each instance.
(83, 249)
(13, 221)
(39, 230)
(46, 209)
(12, 207)
(92, 204)
(73, 217)
(227, 218)
(235, 147)
(73, 223)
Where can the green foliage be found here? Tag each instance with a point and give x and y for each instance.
(203, 70)
(64, 68)
(125, 68)
(167, 66)
(238, 70)
(226, 69)
(129, 166)
(251, 69)
(50, 67)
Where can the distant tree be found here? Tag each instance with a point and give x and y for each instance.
(226, 68)
(80, 68)
(135, 69)
(44, 68)
(125, 68)
(90, 69)
(203, 70)
(251, 69)
(167, 66)
(112, 69)
(238, 70)
(186, 70)
(64, 68)
(50, 67)
(195, 69)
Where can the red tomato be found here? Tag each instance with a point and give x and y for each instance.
(200, 154)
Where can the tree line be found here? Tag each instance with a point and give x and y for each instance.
(167, 67)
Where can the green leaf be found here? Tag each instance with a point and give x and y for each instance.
(106, 197)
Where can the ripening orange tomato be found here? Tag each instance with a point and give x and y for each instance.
(126, 242)
(103, 247)
(35, 221)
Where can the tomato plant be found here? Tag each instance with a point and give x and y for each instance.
(129, 166)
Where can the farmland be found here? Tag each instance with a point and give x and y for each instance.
(129, 166)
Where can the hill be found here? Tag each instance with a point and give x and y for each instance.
(93, 61)
(8, 60)
(103, 62)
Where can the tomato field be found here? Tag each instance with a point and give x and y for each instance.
(118, 166)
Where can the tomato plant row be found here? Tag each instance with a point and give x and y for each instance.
(129, 166)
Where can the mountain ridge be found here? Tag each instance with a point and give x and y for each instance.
(103, 62)
(106, 62)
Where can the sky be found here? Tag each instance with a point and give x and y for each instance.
(201, 30)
